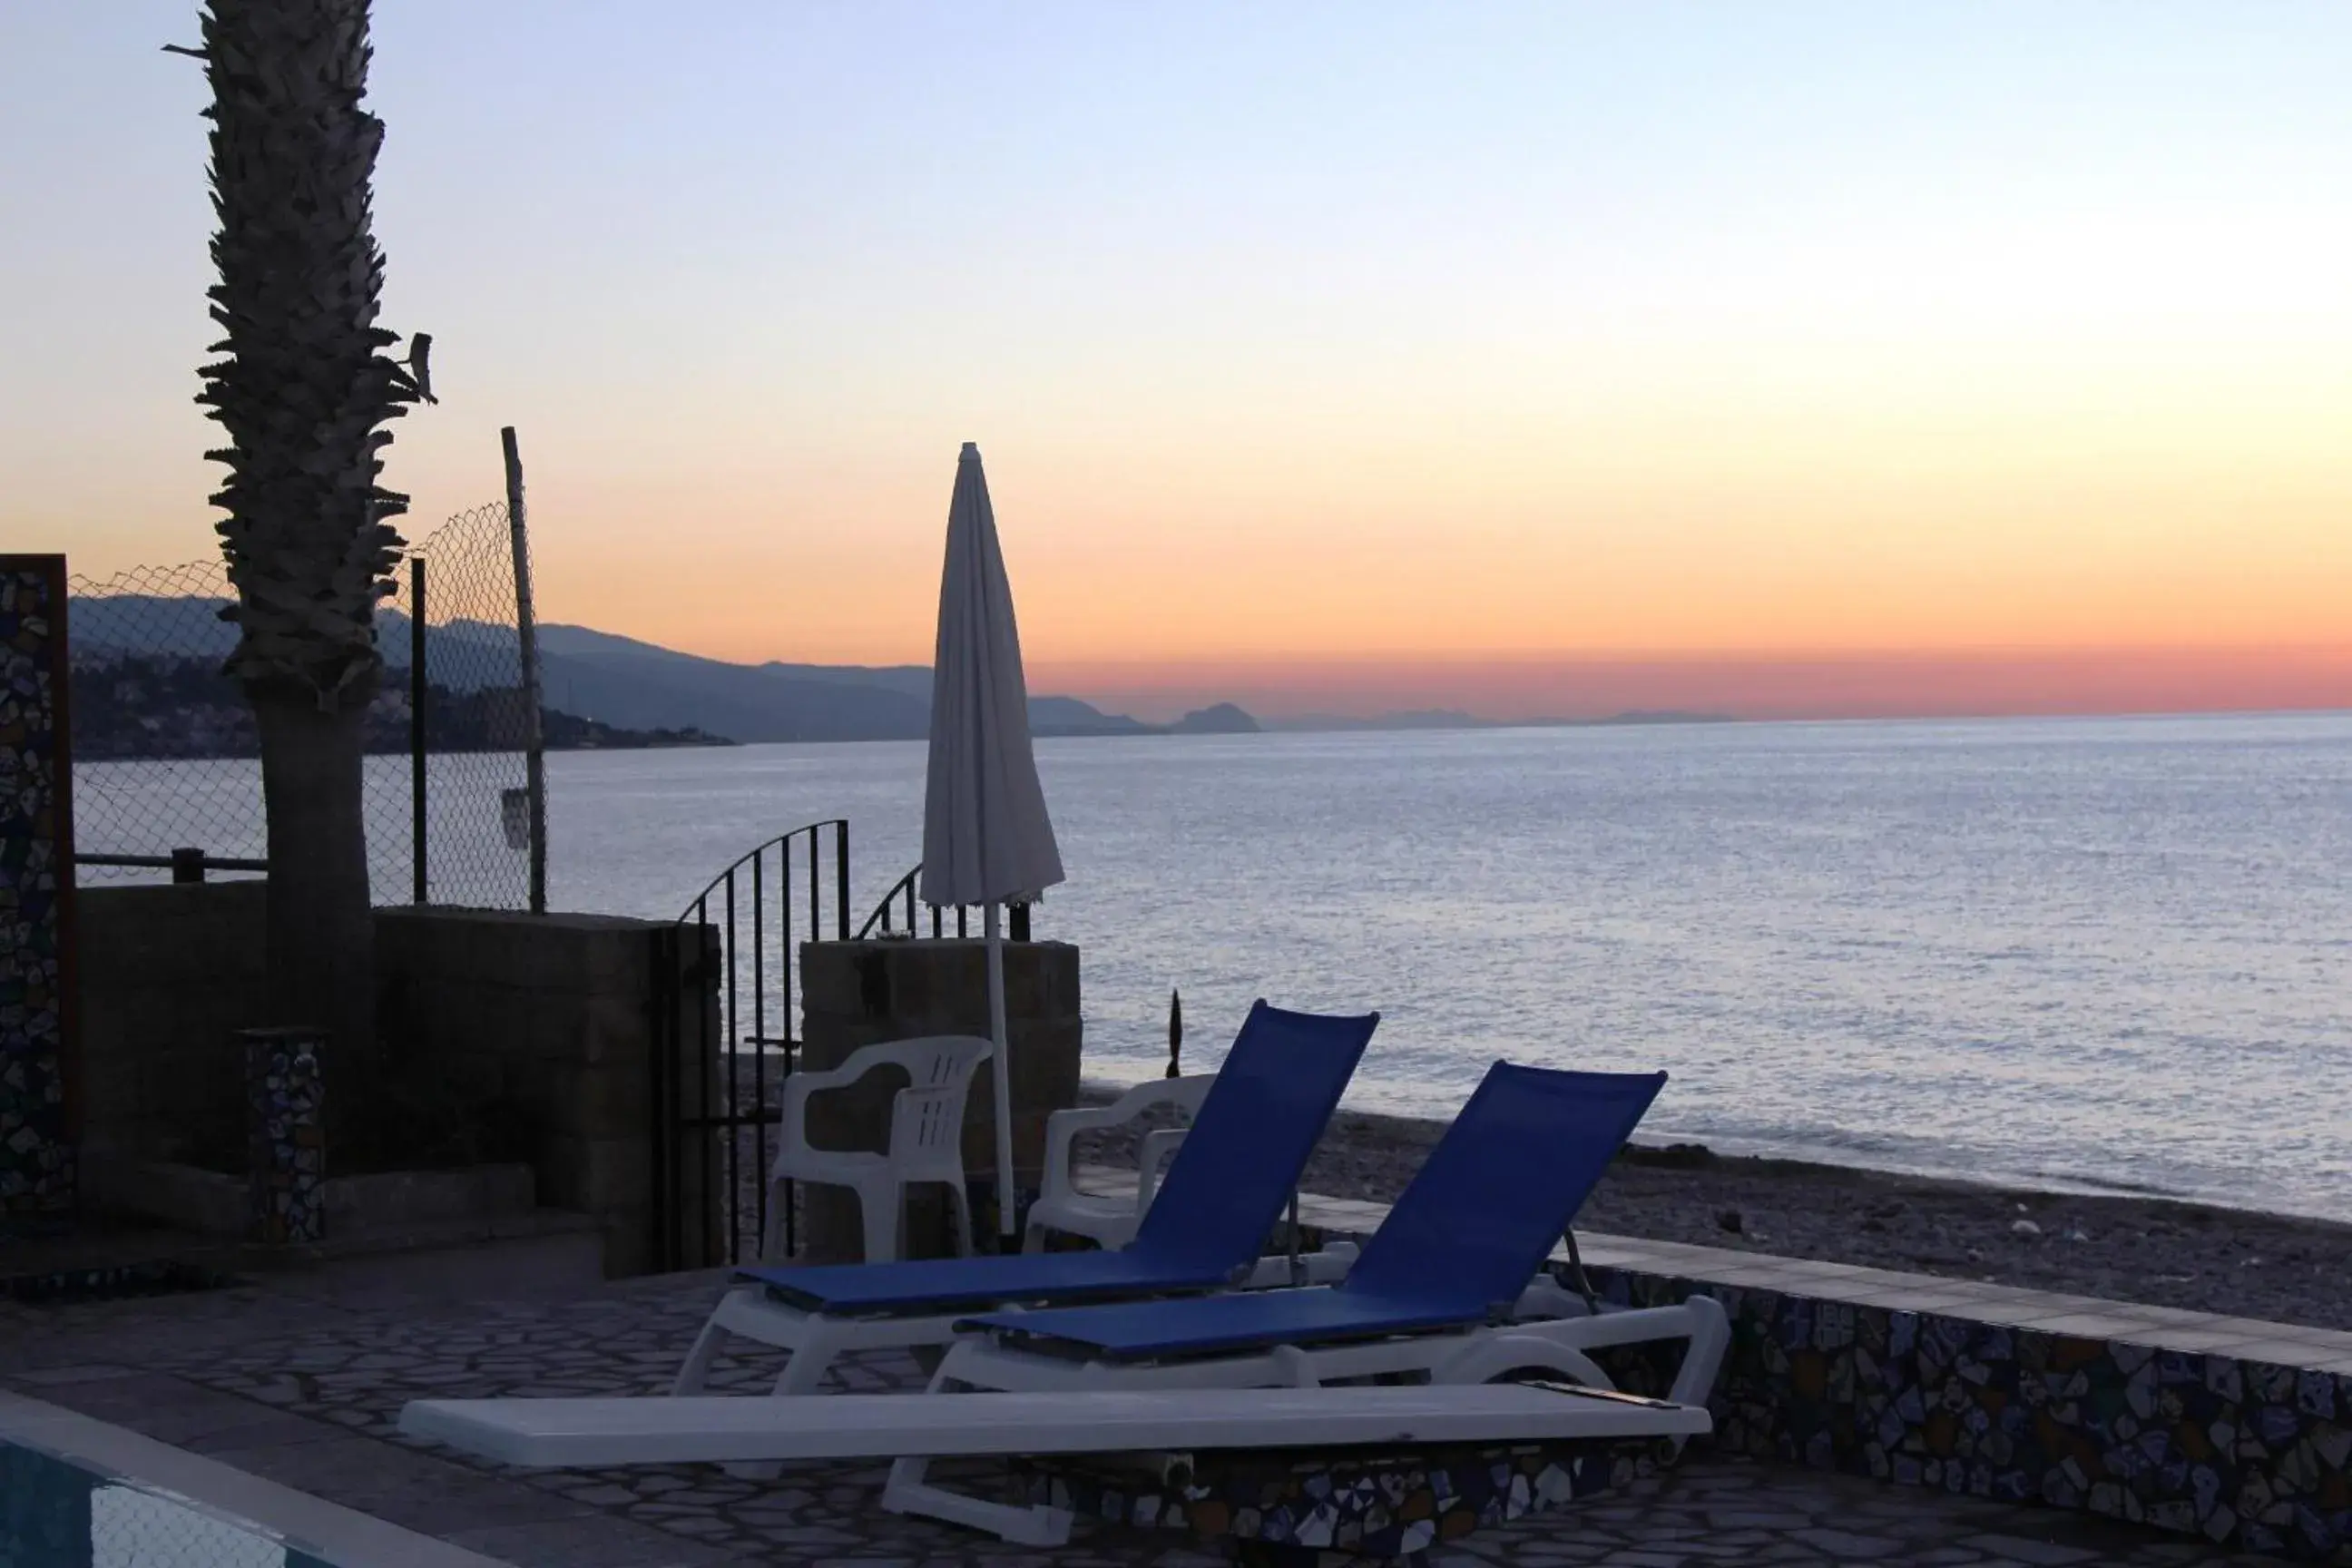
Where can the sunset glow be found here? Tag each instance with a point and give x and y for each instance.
(1535, 360)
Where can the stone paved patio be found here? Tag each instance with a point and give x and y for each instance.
(300, 1380)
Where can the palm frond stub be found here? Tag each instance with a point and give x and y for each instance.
(303, 387)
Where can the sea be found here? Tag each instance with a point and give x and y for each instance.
(2105, 955)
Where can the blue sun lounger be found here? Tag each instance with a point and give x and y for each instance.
(1226, 1188)
(1447, 1288)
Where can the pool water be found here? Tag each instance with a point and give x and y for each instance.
(54, 1514)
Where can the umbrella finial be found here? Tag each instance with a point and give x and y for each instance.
(971, 452)
(1175, 1030)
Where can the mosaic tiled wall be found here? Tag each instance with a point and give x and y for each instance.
(1316, 1507)
(2241, 1453)
(285, 1160)
(36, 1168)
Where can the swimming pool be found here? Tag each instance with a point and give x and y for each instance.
(80, 1493)
(56, 1514)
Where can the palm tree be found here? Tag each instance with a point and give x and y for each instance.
(303, 389)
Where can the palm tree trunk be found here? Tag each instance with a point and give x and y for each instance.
(302, 392)
(320, 922)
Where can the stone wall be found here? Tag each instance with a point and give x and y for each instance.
(36, 891)
(865, 993)
(544, 1022)
(553, 1014)
(169, 975)
(2238, 1452)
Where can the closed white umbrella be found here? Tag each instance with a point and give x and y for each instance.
(986, 838)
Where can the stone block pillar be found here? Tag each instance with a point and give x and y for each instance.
(858, 994)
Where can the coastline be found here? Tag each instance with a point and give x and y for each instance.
(2162, 1252)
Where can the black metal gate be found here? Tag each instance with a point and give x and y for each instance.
(727, 1036)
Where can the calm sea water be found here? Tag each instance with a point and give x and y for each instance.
(2112, 952)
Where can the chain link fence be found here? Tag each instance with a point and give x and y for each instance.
(475, 843)
(167, 757)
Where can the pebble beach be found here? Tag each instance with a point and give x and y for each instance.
(2159, 1252)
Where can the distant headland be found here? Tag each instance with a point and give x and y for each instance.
(1452, 719)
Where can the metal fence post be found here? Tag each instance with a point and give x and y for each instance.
(661, 1099)
(841, 886)
(419, 691)
(527, 633)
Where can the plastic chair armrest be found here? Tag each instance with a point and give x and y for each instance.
(1062, 1129)
(791, 1118)
(1151, 1160)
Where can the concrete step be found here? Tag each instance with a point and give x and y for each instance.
(476, 1229)
(536, 1252)
(213, 1202)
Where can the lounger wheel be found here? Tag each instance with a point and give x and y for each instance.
(1551, 1374)
(1664, 1453)
(1524, 1357)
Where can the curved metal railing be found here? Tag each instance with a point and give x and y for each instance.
(727, 1022)
(739, 974)
(723, 884)
(882, 921)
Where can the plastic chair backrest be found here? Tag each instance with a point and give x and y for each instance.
(919, 1122)
(927, 1126)
(1501, 1187)
(1154, 1149)
(1250, 1140)
(1185, 1093)
(934, 1062)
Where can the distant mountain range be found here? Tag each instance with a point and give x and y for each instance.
(625, 684)
(619, 683)
(143, 707)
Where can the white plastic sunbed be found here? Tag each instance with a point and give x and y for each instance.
(575, 1433)
(1441, 1291)
(1550, 1329)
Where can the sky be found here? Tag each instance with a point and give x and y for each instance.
(1531, 358)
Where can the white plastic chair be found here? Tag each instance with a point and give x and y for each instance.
(925, 1140)
(1112, 1222)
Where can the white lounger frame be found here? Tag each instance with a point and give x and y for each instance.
(1551, 1332)
(601, 1432)
(816, 1340)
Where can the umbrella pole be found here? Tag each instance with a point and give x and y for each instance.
(1000, 1070)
